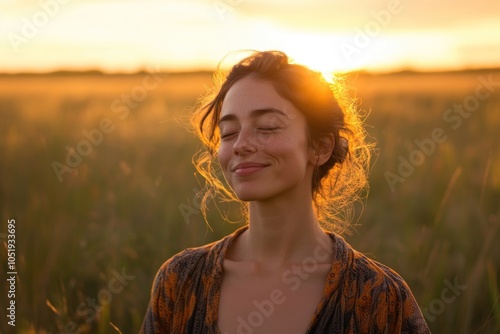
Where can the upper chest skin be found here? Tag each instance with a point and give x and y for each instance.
(257, 301)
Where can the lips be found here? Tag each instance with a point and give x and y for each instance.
(247, 168)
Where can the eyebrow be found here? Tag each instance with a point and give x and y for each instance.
(254, 114)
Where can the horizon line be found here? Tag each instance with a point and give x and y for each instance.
(96, 71)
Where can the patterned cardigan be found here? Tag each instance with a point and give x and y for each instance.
(360, 295)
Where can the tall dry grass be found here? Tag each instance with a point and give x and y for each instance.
(130, 204)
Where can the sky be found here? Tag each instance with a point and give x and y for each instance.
(178, 35)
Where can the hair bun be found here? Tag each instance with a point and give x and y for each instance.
(344, 149)
(340, 151)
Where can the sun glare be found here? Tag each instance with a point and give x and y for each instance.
(324, 63)
(319, 52)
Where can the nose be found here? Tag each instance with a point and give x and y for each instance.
(245, 143)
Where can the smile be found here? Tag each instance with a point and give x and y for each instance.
(245, 169)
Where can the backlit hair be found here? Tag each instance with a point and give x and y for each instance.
(328, 110)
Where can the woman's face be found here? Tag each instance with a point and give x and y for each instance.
(264, 151)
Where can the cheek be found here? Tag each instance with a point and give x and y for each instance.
(223, 154)
(291, 146)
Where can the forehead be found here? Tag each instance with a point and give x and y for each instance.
(250, 93)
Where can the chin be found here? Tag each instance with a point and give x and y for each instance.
(250, 195)
(257, 195)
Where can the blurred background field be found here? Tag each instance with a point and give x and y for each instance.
(129, 204)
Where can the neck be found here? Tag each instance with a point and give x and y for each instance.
(280, 233)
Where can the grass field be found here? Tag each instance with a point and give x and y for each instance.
(96, 171)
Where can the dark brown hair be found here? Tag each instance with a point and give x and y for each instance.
(328, 111)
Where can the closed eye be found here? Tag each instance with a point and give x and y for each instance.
(270, 129)
(227, 135)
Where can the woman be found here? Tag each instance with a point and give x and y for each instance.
(292, 150)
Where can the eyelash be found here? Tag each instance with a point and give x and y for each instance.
(227, 135)
(270, 129)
